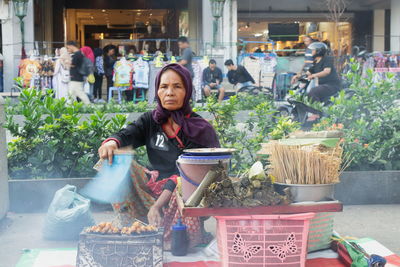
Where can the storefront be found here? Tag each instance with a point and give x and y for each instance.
(285, 35)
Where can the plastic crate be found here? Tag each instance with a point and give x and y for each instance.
(321, 230)
(96, 250)
(263, 240)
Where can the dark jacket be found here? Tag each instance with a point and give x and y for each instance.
(210, 76)
(109, 65)
(240, 75)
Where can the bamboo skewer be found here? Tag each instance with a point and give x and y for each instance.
(311, 164)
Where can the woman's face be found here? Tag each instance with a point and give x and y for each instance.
(111, 52)
(172, 91)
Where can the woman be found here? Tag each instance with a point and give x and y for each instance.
(98, 74)
(88, 85)
(61, 76)
(109, 61)
(165, 132)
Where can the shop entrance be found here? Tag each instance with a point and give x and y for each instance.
(287, 35)
(132, 30)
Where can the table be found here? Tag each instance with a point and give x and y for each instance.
(304, 207)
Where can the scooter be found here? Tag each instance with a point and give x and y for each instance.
(297, 110)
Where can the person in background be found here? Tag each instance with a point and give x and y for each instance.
(109, 61)
(308, 58)
(323, 69)
(212, 79)
(61, 76)
(238, 75)
(187, 54)
(89, 80)
(98, 74)
(75, 86)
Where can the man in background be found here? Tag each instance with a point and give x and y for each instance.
(308, 58)
(238, 75)
(75, 86)
(187, 54)
(212, 79)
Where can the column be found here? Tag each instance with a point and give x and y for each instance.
(378, 38)
(207, 23)
(12, 43)
(195, 28)
(48, 32)
(4, 198)
(228, 29)
(395, 25)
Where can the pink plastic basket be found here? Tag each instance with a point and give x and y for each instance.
(263, 240)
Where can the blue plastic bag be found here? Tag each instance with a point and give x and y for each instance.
(112, 183)
(68, 214)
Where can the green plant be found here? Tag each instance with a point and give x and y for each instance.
(246, 137)
(54, 140)
(369, 119)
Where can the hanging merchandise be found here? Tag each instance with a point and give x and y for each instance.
(46, 73)
(141, 73)
(123, 73)
(197, 71)
(152, 77)
(29, 68)
(252, 65)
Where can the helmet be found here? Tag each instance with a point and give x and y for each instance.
(321, 49)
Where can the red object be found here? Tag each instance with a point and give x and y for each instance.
(156, 187)
(344, 256)
(109, 139)
(318, 262)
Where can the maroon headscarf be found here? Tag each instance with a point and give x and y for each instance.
(196, 129)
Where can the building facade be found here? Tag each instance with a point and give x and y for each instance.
(155, 25)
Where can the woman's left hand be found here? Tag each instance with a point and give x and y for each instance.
(154, 216)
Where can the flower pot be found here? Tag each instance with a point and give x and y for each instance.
(308, 192)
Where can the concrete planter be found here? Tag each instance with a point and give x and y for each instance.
(369, 187)
(4, 200)
(36, 195)
(356, 188)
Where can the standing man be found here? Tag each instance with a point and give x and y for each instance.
(308, 58)
(75, 86)
(212, 79)
(238, 75)
(187, 54)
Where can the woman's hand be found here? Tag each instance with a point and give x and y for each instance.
(106, 151)
(310, 77)
(154, 216)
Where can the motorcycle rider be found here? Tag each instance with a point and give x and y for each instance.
(323, 69)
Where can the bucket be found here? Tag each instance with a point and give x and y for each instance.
(193, 169)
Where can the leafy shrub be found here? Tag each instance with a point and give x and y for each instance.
(370, 121)
(54, 141)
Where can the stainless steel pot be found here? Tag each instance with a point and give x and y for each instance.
(309, 192)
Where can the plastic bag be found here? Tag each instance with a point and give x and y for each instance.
(68, 214)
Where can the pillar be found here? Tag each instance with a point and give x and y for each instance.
(378, 34)
(4, 197)
(395, 25)
(229, 29)
(48, 23)
(207, 24)
(195, 28)
(12, 43)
